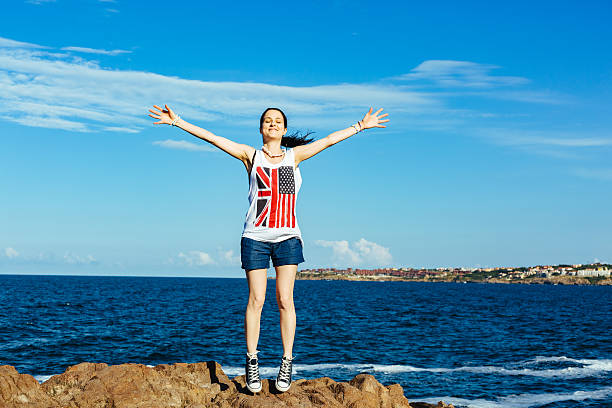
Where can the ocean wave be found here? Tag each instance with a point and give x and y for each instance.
(521, 400)
(589, 368)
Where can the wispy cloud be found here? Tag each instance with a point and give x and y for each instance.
(43, 88)
(184, 145)
(197, 258)
(48, 258)
(95, 51)
(228, 257)
(597, 174)
(193, 258)
(8, 43)
(525, 137)
(448, 73)
(38, 2)
(74, 259)
(74, 90)
(360, 253)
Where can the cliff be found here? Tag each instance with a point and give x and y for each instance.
(181, 385)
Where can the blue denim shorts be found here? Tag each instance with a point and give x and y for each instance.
(257, 254)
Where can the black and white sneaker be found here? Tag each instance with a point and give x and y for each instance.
(253, 382)
(283, 380)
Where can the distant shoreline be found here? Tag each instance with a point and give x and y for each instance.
(555, 280)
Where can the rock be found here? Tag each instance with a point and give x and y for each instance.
(22, 390)
(440, 404)
(181, 385)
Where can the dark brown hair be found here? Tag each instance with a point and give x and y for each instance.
(292, 140)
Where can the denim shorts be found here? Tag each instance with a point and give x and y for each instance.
(256, 254)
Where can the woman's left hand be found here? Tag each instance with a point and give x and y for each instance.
(373, 120)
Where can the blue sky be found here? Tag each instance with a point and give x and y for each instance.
(497, 152)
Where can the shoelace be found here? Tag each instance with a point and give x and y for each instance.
(284, 374)
(253, 371)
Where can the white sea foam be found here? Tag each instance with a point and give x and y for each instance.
(590, 368)
(42, 378)
(521, 400)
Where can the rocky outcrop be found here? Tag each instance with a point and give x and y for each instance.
(181, 385)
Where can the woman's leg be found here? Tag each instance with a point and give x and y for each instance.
(257, 279)
(285, 278)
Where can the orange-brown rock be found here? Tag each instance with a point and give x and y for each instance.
(21, 390)
(181, 385)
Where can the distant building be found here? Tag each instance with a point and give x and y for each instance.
(593, 272)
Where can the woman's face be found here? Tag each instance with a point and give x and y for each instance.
(273, 126)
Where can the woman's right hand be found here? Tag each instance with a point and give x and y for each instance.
(164, 115)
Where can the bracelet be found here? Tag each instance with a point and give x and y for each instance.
(355, 127)
(175, 120)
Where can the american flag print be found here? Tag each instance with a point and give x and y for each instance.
(275, 197)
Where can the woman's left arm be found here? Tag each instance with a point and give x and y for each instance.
(370, 120)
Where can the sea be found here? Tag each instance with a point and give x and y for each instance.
(470, 344)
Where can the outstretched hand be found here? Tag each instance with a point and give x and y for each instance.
(373, 120)
(164, 115)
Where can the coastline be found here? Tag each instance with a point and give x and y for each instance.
(554, 280)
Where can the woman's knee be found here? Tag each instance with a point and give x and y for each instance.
(256, 301)
(285, 301)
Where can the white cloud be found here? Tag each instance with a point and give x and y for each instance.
(41, 88)
(373, 252)
(184, 145)
(95, 51)
(195, 258)
(8, 43)
(361, 253)
(49, 258)
(229, 257)
(60, 90)
(121, 129)
(450, 73)
(200, 258)
(11, 253)
(529, 138)
(74, 259)
(560, 144)
(341, 251)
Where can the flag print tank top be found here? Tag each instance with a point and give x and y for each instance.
(273, 190)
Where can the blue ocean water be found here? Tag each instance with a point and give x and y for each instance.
(473, 345)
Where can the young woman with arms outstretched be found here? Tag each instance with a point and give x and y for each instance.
(271, 230)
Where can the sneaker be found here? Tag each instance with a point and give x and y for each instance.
(251, 369)
(283, 380)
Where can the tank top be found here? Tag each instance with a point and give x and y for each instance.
(273, 190)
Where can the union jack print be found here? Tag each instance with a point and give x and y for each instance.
(275, 197)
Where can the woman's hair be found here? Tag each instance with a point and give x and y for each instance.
(292, 140)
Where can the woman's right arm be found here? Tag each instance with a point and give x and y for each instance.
(238, 150)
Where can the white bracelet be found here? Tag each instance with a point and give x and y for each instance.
(175, 120)
(355, 127)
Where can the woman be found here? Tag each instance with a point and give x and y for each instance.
(271, 230)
